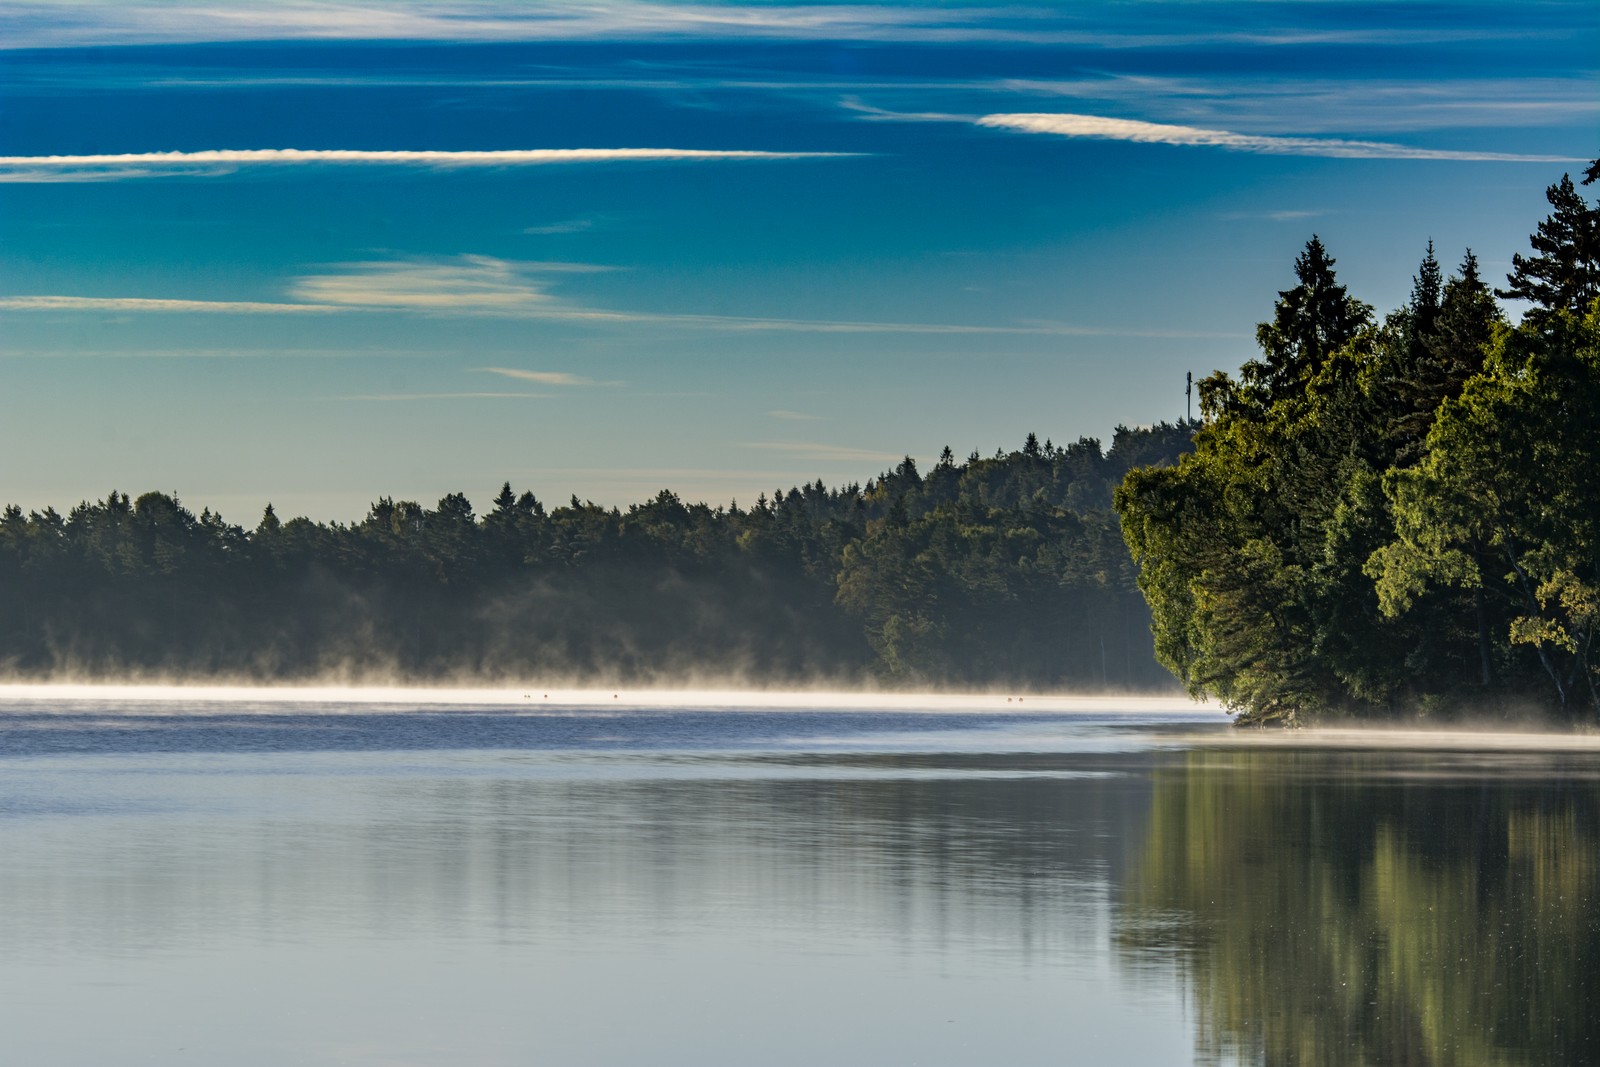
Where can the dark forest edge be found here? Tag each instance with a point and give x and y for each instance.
(1007, 571)
(1397, 517)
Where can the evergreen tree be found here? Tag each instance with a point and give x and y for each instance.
(1409, 520)
(1427, 287)
(1467, 319)
(505, 502)
(1432, 347)
(1506, 506)
(1310, 322)
(1563, 273)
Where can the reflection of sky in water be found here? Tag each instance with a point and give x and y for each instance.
(588, 887)
(269, 884)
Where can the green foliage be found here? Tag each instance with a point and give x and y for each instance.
(1310, 323)
(1506, 502)
(1248, 547)
(1007, 570)
(1396, 518)
(1563, 274)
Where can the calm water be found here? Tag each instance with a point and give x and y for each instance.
(225, 881)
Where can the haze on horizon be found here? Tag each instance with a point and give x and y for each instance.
(316, 253)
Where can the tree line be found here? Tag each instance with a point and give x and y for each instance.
(1007, 570)
(1394, 516)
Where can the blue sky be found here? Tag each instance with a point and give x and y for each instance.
(315, 253)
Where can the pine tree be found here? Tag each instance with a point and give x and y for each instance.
(505, 503)
(1311, 322)
(1465, 326)
(1563, 274)
(1437, 343)
(1427, 288)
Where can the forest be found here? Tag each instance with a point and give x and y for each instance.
(1005, 571)
(1373, 518)
(1398, 516)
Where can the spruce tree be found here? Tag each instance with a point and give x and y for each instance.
(1427, 287)
(1310, 322)
(505, 503)
(1467, 314)
(1563, 274)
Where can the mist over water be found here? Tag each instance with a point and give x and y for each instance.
(747, 698)
(444, 878)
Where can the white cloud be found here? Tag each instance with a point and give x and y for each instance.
(357, 295)
(1271, 216)
(40, 23)
(542, 377)
(464, 283)
(1097, 127)
(484, 286)
(79, 352)
(547, 266)
(43, 24)
(117, 166)
(27, 175)
(560, 228)
(870, 113)
(1314, 106)
(134, 303)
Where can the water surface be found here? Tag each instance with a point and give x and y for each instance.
(599, 880)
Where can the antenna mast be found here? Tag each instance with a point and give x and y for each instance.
(1188, 390)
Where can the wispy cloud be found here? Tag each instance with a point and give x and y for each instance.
(144, 304)
(77, 352)
(1271, 216)
(870, 113)
(485, 286)
(796, 416)
(41, 24)
(1096, 127)
(542, 377)
(122, 165)
(460, 284)
(563, 313)
(551, 266)
(1312, 106)
(26, 175)
(560, 228)
(825, 453)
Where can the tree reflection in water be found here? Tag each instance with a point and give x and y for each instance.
(1380, 908)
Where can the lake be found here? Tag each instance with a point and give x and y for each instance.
(407, 878)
